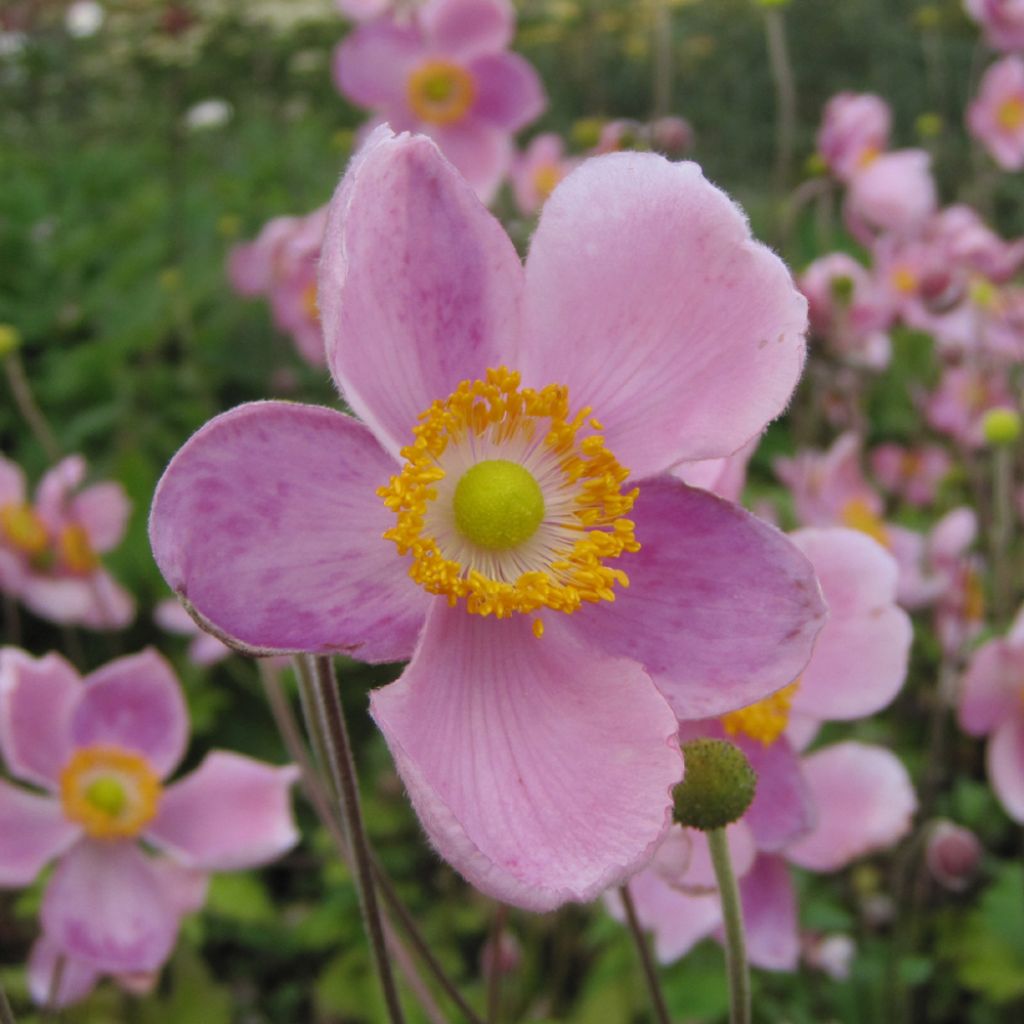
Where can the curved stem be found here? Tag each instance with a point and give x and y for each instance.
(6, 1013)
(785, 94)
(732, 912)
(495, 972)
(646, 961)
(17, 379)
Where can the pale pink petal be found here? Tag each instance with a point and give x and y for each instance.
(12, 483)
(184, 887)
(509, 92)
(1005, 759)
(77, 979)
(433, 297)
(135, 703)
(860, 657)
(230, 813)
(62, 599)
(992, 688)
(268, 523)
(721, 608)
(252, 266)
(770, 916)
(1015, 634)
(53, 494)
(13, 573)
(103, 511)
(480, 152)
(105, 906)
(33, 831)
(700, 871)
(724, 477)
(464, 28)
(783, 809)
(111, 607)
(37, 696)
(865, 803)
(372, 64)
(647, 296)
(540, 770)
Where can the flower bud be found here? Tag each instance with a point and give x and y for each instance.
(504, 956)
(10, 340)
(718, 785)
(952, 855)
(1001, 426)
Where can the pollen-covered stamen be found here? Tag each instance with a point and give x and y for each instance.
(857, 514)
(23, 529)
(76, 553)
(764, 721)
(111, 792)
(509, 502)
(441, 92)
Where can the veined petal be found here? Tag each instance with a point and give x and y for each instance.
(1005, 758)
(541, 771)
(647, 296)
(106, 906)
(268, 524)
(770, 915)
(419, 285)
(230, 813)
(37, 696)
(721, 608)
(463, 28)
(135, 703)
(33, 830)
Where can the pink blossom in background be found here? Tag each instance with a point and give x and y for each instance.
(280, 263)
(671, 135)
(1001, 20)
(50, 547)
(913, 474)
(538, 169)
(203, 649)
(831, 954)
(854, 130)
(100, 749)
(364, 10)
(270, 520)
(964, 394)
(970, 243)
(953, 855)
(446, 72)
(996, 115)
(894, 192)
(621, 134)
(992, 705)
(724, 477)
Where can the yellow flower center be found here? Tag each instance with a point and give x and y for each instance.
(23, 529)
(868, 157)
(441, 92)
(1010, 114)
(766, 720)
(310, 306)
(509, 502)
(904, 280)
(112, 793)
(858, 515)
(545, 178)
(76, 552)
(974, 597)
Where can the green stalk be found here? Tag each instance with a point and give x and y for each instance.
(735, 945)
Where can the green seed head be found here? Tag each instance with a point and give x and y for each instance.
(498, 504)
(718, 786)
(1001, 426)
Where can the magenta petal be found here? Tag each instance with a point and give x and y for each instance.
(541, 771)
(865, 803)
(769, 915)
(721, 608)
(77, 979)
(268, 523)
(1005, 757)
(647, 296)
(433, 297)
(509, 91)
(372, 64)
(230, 813)
(135, 703)
(105, 906)
(463, 28)
(33, 830)
(103, 511)
(37, 696)
(860, 657)
(991, 689)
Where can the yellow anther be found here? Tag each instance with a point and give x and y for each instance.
(545, 178)
(1010, 114)
(111, 792)
(441, 92)
(76, 552)
(858, 515)
(23, 529)
(764, 721)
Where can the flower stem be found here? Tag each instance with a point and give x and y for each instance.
(1002, 531)
(646, 961)
(495, 972)
(785, 95)
(343, 771)
(17, 379)
(6, 1013)
(732, 912)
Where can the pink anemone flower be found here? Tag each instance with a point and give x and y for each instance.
(996, 115)
(496, 403)
(964, 394)
(895, 192)
(913, 473)
(854, 130)
(1001, 20)
(203, 649)
(447, 73)
(101, 749)
(538, 169)
(50, 548)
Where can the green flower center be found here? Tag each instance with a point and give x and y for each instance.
(498, 505)
(107, 794)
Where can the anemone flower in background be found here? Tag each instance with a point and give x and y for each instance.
(996, 115)
(854, 130)
(1002, 22)
(446, 71)
(101, 748)
(50, 547)
(203, 649)
(534, 726)
(538, 169)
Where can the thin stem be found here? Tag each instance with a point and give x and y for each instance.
(495, 972)
(646, 960)
(51, 1011)
(785, 94)
(732, 912)
(17, 379)
(663, 45)
(6, 1013)
(343, 771)
(1002, 530)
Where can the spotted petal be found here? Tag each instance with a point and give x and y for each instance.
(540, 770)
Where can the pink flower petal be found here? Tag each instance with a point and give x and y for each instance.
(230, 813)
(1005, 758)
(110, 607)
(992, 688)
(77, 979)
(185, 887)
(12, 482)
(33, 830)
(865, 803)
(783, 809)
(860, 657)
(721, 608)
(372, 64)
(105, 906)
(53, 494)
(135, 703)
(541, 771)
(96, 602)
(480, 152)
(103, 511)
(433, 297)
(268, 523)
(700, 872)
(770, 915)
(647, 296)
(509, 92)
(37, 696)
(464, 28)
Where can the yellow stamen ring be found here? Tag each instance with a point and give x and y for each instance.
(111, 792)
(766, 720)
(557, 558)
(23, 528)
(440, 92)
(75, 550)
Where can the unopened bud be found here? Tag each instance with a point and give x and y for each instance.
(504, 956)
(718, 785)
(10, 340)
(953, 854)
(1001, 426)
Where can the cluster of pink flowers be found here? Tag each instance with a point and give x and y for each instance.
(996, 115)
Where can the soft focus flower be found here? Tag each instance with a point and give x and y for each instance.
(957, 407)
(894, 192)
(447, 73)
(211, 113)
(952, 854)
(84, 18)
(671, 135)
(363, 10)
(831, 954)
(538, 169)
(959, 232)
(203, 649)
(101, 748)
(636, 331)
(912, 473)
(854, 130)
(1001, 20)
(50, 547)
(996, 115)
(621, 134)
(724, 477)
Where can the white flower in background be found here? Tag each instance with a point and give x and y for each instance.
(84, 18)
(212, 113)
